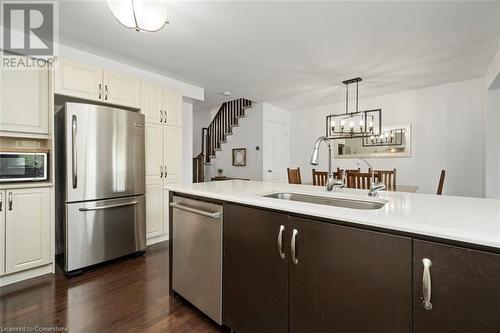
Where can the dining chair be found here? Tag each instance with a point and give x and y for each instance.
(294, 176)
(339, 174)
(360, 180)
(319, 177)
(441, 183)
(388, 177)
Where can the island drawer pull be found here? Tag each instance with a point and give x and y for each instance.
(426, 283)
(280, 242)
(294, 255)
(177, 205)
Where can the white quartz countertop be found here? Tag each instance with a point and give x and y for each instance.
(463, 219)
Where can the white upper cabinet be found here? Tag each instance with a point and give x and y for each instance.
(172, 157)
(95, 84)
(173, 107)
(27, 229)
(77, 80)
(154, 151)
(152, 102)
(25, 101)
(121, 89)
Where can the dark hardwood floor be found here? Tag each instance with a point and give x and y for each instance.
(125, 296)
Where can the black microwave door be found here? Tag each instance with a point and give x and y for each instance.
(21, 166)
(13, 166)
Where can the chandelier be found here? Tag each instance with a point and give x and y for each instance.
(140, 15)
(354, 124)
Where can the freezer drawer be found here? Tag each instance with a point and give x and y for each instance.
(197, 254)
(98, 231)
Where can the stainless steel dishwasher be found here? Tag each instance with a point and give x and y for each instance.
(197, 254)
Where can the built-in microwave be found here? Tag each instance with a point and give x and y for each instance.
(23, 166)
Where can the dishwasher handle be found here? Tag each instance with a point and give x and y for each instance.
(177, 205)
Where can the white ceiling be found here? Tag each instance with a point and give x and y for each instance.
(294, 54)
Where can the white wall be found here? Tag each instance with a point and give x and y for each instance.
(447, 123)
(247, 135)
(492, 144)
(201, 119)
(187, 143)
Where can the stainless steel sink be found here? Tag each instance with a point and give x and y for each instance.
(329, 201)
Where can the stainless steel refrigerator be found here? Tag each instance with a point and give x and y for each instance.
(100, 184)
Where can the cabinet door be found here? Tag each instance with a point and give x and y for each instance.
(255, 276)
(348, 280)
(24, 101)
(173, 106)
(27, 225)
(121, 89)
(464, 293)
(172, 147)
(151, 102)
(78, 80)
(154, 151)
(154, 209)
(2, 232)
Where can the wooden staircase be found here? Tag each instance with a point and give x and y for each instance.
(213, 136)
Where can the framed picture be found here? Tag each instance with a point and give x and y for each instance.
(240, 157)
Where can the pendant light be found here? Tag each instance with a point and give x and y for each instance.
(140, 15)
(354, 124)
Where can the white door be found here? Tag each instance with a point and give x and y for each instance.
(121, 89)
(275, 152)
(27, 225)
(152, 102)
(173, 102)
(154, 151)
(172, 148)
(78, 80)
(154, 208)
(24, 101)
(2, 232)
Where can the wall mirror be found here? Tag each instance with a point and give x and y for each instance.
(393, 141)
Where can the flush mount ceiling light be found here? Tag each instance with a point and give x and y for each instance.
(140, 15)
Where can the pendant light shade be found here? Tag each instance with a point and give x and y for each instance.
(140, 15)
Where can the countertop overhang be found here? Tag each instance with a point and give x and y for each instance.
(460, 219)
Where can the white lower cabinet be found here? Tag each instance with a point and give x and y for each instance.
(26, 216)
(154, 208)
(2, 232)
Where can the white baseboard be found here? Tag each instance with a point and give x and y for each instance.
(158, 239)
(27, 274)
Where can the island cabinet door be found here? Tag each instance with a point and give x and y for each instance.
(255, 273)
(344, 279)
(455, 289)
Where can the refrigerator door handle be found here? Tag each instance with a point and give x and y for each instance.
(73, 151)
